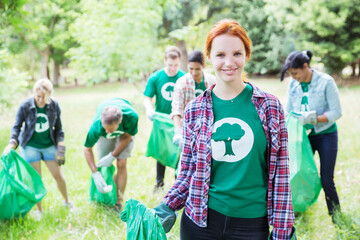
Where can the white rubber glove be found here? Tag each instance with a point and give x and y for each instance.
(150, 113)
(177, 139)
(106, 161)
(100, 183)
(306, 117)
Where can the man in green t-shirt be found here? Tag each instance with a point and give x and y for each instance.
(113, 129)
(161, 86)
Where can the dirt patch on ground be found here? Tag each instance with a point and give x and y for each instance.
(346, 82)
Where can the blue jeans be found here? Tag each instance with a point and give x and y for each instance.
(31, 154)
(221, 227)
(327, 146)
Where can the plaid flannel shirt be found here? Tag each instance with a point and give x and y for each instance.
(184, 92)
(191, 187)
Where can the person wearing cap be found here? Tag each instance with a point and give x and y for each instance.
(161, 86)
(313, 97)
(38, 132)
(189, 86)
(113, 129)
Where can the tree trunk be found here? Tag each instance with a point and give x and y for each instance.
(64, 67)
(56, 74)
(44, 72)
(184, 56)
(353, 66)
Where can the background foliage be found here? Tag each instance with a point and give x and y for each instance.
(90, 41)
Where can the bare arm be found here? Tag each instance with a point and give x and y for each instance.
(322, 118)
(125, 139)
(177, 121)
(89, 155)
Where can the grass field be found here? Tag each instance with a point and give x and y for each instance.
(90, 221)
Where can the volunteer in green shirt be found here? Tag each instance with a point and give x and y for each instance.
(38, 132)
(113, 129)
(313, 98)
(161, 86)
(238, 183)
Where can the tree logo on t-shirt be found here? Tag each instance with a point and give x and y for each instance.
(198, 92)
(232, 131)
(167, 91)
(115, 134)
(42, 123)
(232, 140)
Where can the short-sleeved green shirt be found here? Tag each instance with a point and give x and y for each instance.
(41, 136)
(238, 180)
(161, 86)
(128, 124)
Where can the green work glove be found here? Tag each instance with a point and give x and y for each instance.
(166, 215)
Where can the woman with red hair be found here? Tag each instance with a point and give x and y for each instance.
(234, 177)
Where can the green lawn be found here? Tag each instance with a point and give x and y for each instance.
(90, 221)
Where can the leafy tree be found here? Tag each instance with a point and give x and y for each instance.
(41, 120)
(12, 81)
(169, 89)
(234, 132)
(182, 18)
(43, 25)
(330, 29)
(116, 40)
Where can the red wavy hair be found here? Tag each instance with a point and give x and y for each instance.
(232, 27)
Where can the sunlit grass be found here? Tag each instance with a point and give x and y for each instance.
(91, 221)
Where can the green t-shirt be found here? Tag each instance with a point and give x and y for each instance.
(305, 99)
(41, 136)
(128, 124)
(161, 86)
(200, 87)
(238, 182)
(304, 107)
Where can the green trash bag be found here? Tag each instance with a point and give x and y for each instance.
(108, 198)
(21, 186)
(160, 145)
(141, 222)
(304, 178)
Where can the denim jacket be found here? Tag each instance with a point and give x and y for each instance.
(24, 126)
(323, 98)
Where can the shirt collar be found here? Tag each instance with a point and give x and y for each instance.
(257, 93)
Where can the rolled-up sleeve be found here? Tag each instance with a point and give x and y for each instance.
(333, 100)
(178, 101)
(177, 195)
(282, 217)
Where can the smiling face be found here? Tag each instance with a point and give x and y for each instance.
(228, 58)
(196, 71)
(301, 74)
(40, 98)
(172, 66)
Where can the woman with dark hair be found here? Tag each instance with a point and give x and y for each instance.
(234, 179)
(189, 86)
(313, 97)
